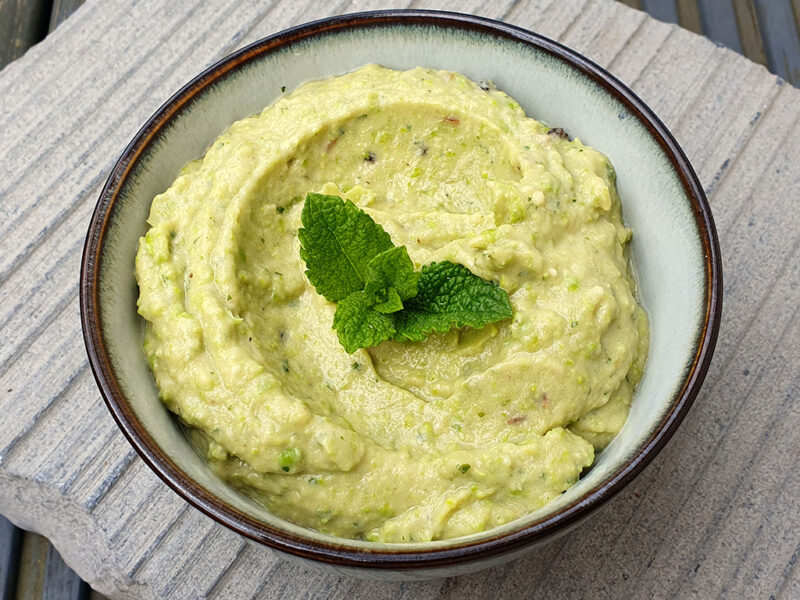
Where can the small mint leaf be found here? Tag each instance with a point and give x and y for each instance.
(450, 295)
(359, 325)
(392, 269)
(338, 240)
(391, 304)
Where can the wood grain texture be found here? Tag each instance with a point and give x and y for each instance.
(22, 24)
(33, 563)
(718, 21)
(715, 515)
(781, 42)
(749, 31)
(10, 547)
(689, 15)
(664, 10)
(796, 12)
(60, 582)
(62, 9)
(42, 573)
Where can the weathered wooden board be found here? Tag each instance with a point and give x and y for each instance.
(22, 24)
(10, 547)
(716, 515)
(61, 10)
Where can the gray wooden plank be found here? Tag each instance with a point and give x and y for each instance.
(779, 29)
(61, 582)
(10, 547)
(22, 24)
(33, 561)
(16, 76)
(718, 19)
(42, 573)
(614, 24)
(549, 18)
(689, 15)
(61, 10)
(796, 11)
(734, 122)
(749, 32)
(664, 10)
(640, 50)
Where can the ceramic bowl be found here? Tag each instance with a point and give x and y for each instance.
(675, 250)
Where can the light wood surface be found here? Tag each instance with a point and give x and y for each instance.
(716, 515)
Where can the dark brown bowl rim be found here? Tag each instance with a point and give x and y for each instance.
(398, 559)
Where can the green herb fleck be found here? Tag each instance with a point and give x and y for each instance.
(285, 365)
(283, 88)
(324, 514)
(463, 468)
(288, 458)
(611, 173)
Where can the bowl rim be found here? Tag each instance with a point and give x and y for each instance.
(395, 558)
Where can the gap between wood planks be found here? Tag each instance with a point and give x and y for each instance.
(24, 23)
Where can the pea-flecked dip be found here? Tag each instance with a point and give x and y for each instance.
(457, 434)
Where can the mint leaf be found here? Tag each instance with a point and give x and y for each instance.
(338, 240)
(390, 302)
(450, 295)
(359, 325)
(391, 279)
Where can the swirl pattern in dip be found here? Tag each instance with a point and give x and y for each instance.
(402, 442)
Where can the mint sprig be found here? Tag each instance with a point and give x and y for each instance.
(338, 241)
(351, 260)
